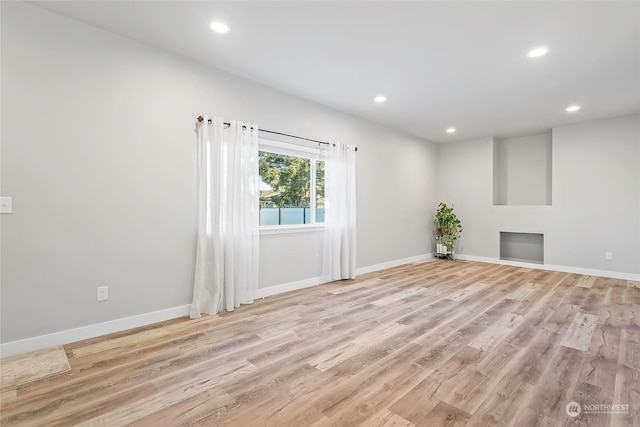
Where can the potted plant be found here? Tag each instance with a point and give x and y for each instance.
(448, 229)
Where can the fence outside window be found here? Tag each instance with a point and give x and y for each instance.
(289, 216)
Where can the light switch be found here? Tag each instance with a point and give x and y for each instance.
(6, 205)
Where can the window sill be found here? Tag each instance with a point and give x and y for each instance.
(286, 229)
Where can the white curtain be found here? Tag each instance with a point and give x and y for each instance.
(340, 213)
(226, 270)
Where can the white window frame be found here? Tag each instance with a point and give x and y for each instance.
(311, 153)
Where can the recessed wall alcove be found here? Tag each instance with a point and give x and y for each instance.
(522, 170)
(522, 247)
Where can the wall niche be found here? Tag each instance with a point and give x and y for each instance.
(522, 247)
(522, 170)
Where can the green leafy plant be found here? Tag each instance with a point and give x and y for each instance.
(288, 178)
(448, 226)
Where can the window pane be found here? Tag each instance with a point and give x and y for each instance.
(319, 191)
(284, 189)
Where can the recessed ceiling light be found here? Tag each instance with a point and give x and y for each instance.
(538, 51)
(573, 108)
(380, 99)
(220, 27)
(451, 130)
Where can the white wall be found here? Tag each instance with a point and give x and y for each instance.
(301, 253)
(596, 182)
(98, 153)
(465, 179)
(596, 197)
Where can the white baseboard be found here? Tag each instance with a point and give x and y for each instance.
(91, 331)
(291, 286)
(382, 266)
(314, 281)
(553, 267)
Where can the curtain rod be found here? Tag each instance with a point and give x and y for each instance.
(201, 119)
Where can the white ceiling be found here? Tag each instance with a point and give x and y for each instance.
(440, 64)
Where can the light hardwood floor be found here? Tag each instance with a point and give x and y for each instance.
(439, 343)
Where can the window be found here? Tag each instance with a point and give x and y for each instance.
(291, 184)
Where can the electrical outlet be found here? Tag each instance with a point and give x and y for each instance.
(6, 205)
(102, 293)
(608, 256)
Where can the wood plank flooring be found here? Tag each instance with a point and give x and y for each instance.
(438, 343)
(17, 371)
